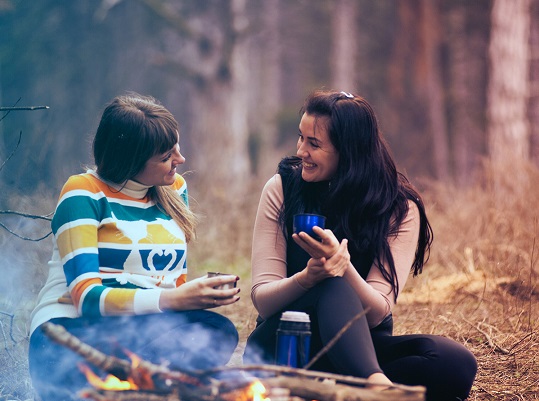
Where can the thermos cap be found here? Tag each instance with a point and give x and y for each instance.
(293, 316)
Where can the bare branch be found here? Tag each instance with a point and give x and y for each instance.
(9, 111)
(23, 108)
(13, 152)
(27, 215)
(332, 342)
(22, 236)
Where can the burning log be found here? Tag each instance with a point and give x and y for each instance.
(141, 373)
(158, 383)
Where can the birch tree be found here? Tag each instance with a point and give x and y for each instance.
(508, 126)
(533, 110)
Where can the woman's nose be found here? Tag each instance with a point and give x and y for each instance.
(179, 159)
(300, 152)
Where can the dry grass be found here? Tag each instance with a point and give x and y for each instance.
(479, 287)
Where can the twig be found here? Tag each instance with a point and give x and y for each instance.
(287, 370)
(23, 108)
(11, 316)
(9, 111)
(332, 342)
(13, 152)
(489, 340)
(22, 236)
(28, 215)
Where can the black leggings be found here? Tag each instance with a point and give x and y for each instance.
(187, 340)
(446, 368)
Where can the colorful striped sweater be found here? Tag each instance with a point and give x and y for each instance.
(114, 250)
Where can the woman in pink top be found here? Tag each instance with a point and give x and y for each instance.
(377, 233)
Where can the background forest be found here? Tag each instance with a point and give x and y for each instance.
(455, 84)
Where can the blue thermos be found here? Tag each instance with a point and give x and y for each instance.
(293, 339)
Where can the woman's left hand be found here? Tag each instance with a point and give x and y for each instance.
(319, 269)
(325, 248)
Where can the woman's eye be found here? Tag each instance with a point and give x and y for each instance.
(167, 158)
(314, 144)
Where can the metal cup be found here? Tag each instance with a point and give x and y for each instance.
(306, 221)
(226, 286)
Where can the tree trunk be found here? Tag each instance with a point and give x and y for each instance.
(266, 59)
(533, 110)
(508, 126)
(430, 23)
(466, 72)
(344, 47)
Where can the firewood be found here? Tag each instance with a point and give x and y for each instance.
(181, 386)
(122, 369)
(100, 395)
(322, 391)
(313, 374)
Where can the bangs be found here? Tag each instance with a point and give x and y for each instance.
(162, 134)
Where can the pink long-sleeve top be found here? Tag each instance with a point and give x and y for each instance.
(272, 290)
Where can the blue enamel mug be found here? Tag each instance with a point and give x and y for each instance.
(306, 221)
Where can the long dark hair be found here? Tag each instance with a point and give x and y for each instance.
(133, 129)
(366, 200)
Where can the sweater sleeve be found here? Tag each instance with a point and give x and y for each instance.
(376, 292)
(271, 289)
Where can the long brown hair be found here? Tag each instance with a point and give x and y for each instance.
(133, 129)
(367, 199)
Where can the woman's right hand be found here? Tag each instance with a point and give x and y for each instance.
(325, 247)
(319, 269)
(200, 293)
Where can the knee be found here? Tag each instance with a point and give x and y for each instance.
(457, 366)
(336, 285)
(223, 325)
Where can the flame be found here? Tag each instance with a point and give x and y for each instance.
(258, 391)
(140, 379)
(111, 382)
(135, 360)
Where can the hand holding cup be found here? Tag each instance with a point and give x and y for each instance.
(312, 236)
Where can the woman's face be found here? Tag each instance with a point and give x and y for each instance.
(319, 156)
(161, 168)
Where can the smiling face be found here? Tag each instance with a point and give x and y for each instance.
(319, 156)
(161, 168)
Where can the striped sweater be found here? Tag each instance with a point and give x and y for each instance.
(114, 250)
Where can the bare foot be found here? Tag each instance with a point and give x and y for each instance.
(378, 382)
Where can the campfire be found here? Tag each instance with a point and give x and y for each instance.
(140, 380)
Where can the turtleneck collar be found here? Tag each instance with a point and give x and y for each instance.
(131, 188)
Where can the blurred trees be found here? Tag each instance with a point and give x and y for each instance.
(206, 45)
(235, 73)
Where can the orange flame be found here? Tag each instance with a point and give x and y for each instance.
(258, 391)
(111, 382)
(140, 379)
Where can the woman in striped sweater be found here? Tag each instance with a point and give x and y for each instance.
(117, 276)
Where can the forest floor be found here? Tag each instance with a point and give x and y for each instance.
(480, 286)
(494, 319)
